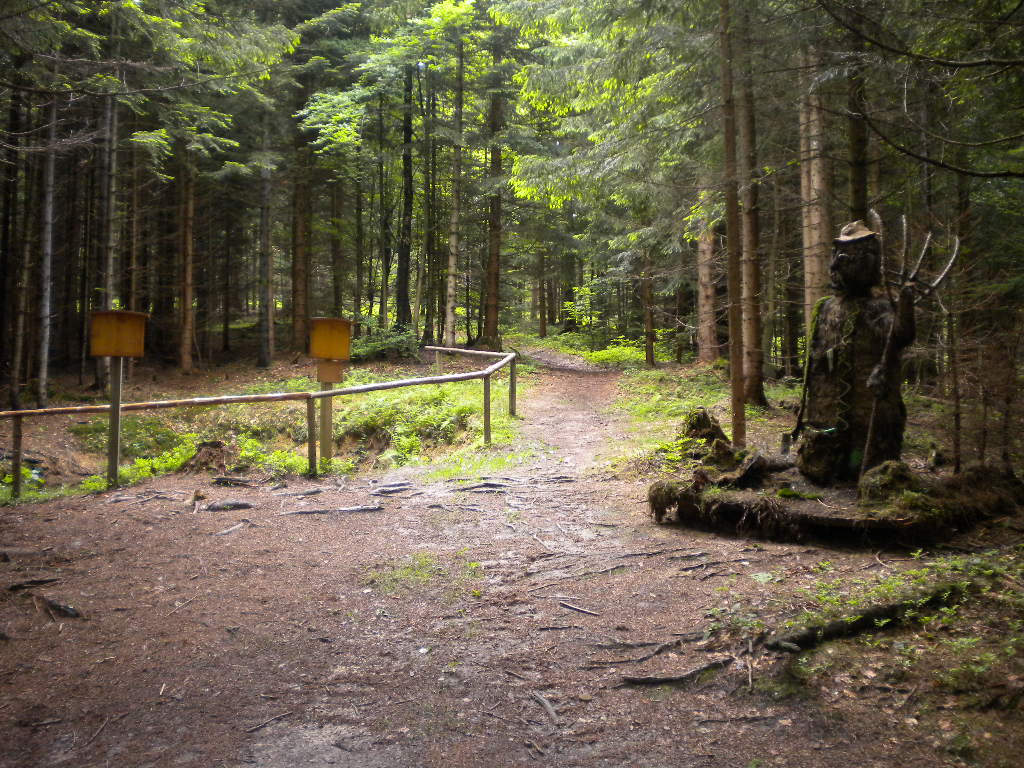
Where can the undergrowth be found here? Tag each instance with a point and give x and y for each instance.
(617, 352)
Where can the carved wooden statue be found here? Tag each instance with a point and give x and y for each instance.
(851, 403)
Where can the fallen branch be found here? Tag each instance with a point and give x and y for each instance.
(685, 677)
(32, 583)
(234, 527)
(572, 607)
(659, 649)
(267, 722)
(547, 707)
(227, 505)
(179, 607)
(361, 508)
(487, 486)
(236, 482)
(654, 552)
(713, 562)
(388, 490)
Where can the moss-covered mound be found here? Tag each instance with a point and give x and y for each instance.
(896, 507)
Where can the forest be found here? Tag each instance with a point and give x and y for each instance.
(654, 218)
(657, 176)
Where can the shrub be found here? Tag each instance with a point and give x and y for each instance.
(385, 345)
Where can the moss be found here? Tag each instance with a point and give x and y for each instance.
(886, 481)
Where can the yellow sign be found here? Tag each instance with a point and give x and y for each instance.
(329, 338)
(117, 334)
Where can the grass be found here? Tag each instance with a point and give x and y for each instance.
(421, 568)
(418, 569)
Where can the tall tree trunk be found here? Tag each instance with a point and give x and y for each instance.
(453, 222)
(732, 231)
(186, 263)
(963, 230)
(707, 323)
(357, 309)
(769, 331)
(226, 286)
(542, 295)
(337, 258)
(403, 313)
(384, 211)
(22, 268)
(492, 274)
(9, 221)
(301, 227)
(814, 162)
(647, 298)
(46, 258)
(265, 357)
(430, 254)
(753, 353)
(857, 130)
(108, 247)
(135, 237)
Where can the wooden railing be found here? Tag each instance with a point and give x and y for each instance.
(502, 359)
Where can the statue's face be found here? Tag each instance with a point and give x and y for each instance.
(855, 266)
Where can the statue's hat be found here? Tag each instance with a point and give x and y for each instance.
(855, 230)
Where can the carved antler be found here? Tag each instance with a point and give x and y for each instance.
(928, 288)
(923, 289)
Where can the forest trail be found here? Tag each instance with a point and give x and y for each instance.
(467, 622)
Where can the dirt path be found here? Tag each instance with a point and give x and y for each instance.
(466, 623)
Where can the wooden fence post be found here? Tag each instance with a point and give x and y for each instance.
(512, 388)
(487, 410)
(437, 362)
(16, 458)
(326, 425)
(311, 436)
(114, 430)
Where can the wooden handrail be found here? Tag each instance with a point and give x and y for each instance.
(158, 404)
(507, 358)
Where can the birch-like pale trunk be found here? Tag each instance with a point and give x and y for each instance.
(707, 325)
(46, 259)
(454, 220)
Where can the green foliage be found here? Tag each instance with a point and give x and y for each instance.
(297, 384)
(385, 345)
(140, 435)
(170, 460)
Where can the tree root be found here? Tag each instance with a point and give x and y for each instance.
(873, 618)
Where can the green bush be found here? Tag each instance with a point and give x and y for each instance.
(409, 420)
(385, 345)
(140, 435)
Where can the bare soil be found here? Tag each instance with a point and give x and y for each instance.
(470, 622)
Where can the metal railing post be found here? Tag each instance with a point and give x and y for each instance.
(16, 458)
(114, 433)
(512, 387)
(311, 435)
(487, 410)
